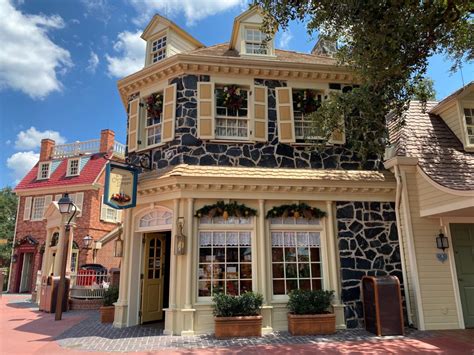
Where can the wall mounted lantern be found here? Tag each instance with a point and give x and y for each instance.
(180, 238)
(87, 241)
(118, 246)
(442, 241)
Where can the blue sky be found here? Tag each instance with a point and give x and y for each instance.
(62, 58)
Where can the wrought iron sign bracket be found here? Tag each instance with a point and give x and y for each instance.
(144, 162)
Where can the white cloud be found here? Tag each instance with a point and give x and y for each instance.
(20, 163)
(193, 10)
(130, 57)
(75, 21)
(285, 39)
(100, 9)
(31, 138)
(93, 62)
(29, 60)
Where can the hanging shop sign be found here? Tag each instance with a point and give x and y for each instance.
(120, 186)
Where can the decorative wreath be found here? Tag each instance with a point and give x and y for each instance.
(226, 210)
(233, 97)
(120, 198)
(154, 105)
(306, 101)
(296, 211)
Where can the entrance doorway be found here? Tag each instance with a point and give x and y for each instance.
(26, 271)
(155, 276)
(463, 247)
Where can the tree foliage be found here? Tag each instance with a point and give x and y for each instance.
(387, 45)
(8, 205)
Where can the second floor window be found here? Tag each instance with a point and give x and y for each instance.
(153, 122)
(158, 49)
(253, 42)
(43, 171)
(469, 117)
(232, 112)
(38, 208)
(305, 102)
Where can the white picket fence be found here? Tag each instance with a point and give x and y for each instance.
(89, 284)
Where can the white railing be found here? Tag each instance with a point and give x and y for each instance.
(61, 151)
(88, 284)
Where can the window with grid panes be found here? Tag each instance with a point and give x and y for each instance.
(253, 41)
(225, 259)
(232, 122)
(302, 117)
(73, 167)
(296, 259)
(469, 117)
(158, 49)
(44, 171)
(38, 208)
(153, 129)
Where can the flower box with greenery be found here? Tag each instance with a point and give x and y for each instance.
(225, 210)
(309, 312)
(237, 316)
(107, 310)
(296, 211)
(154, 105)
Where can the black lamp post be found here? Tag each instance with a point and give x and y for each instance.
(66, 206)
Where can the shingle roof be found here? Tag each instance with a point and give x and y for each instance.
(440, 153)
(222, 50)
(88, 175)
(274, 173)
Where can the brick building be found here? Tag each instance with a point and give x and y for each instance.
(79, 170)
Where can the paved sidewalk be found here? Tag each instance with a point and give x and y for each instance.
(24, 330)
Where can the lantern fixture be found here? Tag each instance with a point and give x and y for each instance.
(442, 241)
(180, 238)
(118, 245)
(65, 204)
(87, 241)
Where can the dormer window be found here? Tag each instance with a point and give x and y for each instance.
(73, 167)
(469, 118)
(158, 49)
(254, 42)
(44, 170)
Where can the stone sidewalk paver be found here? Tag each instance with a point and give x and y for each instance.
(24, 330)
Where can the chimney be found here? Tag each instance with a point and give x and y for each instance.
(47, 147)
(107, 139)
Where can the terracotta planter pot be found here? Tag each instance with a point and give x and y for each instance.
(246, 326)
(107, 314)
(311, 324)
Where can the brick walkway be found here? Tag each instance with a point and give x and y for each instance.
(24, 330)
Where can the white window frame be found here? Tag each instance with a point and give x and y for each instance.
(70, 165)
(41, 171)
(232, 224)
(228, 118)
(254, 42)
(154, 126)
(302, 119)
(467, 125)
(158, 50)
(104, 209)
(37, 211)
(295, 225)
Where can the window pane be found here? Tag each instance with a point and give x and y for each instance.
(232, 287)
(232, 254)
(291, 271)
(245, 271)
(290, 254)
(205, 271)
(303, 254)
(245, 286)
(204, 289)
(218, 287)
(205, 254)
(305, 284)
(218, 271)
(278, 287)
(316, 284)
(303, 270)
(245, 254)
(277, 254)
(316, 270)
(314, 254)
(278, 271)
(219, 254)
(291, 285)
(231, 272)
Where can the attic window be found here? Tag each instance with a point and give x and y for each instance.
(44, 171)
(254, 42)
(73, 167)
(158, 49)
(469, 117)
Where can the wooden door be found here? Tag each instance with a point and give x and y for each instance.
(153, 277)
(463, 247)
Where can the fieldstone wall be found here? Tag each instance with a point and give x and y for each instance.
(189, 149)
(368, 245)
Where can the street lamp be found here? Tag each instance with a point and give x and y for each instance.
(87, 241)
(65, 207)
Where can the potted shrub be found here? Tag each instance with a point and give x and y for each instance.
(107, 310)
(309, 312)
(237, 316)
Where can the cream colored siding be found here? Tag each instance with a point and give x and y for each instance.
(431, 197)
(177, 44)
(451, 116)
(437, 294)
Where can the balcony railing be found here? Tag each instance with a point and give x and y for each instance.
(82, 148)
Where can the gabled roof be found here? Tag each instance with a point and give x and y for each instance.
(458, 94)
(440, 153)
(88, 175)
(235, 28)
(168, 23)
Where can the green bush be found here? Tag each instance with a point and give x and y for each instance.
(247, 304)
(309, 302)
(111, 296)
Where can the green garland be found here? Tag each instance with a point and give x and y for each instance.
(296, 211)
(222, 209)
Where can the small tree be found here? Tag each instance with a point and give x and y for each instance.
(8, 206)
